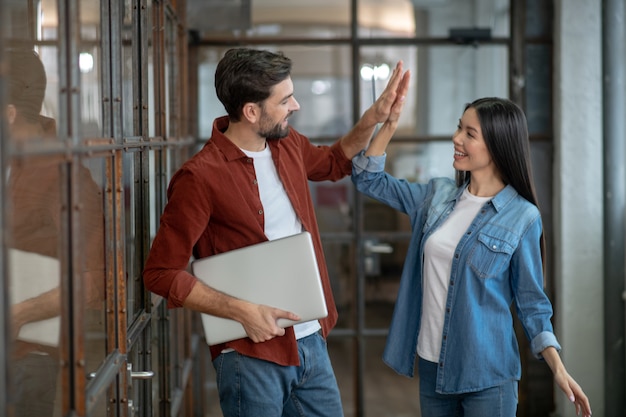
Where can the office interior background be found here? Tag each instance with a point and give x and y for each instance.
(129, 97)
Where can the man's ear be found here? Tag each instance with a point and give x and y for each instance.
(11, 113)
(251, 112)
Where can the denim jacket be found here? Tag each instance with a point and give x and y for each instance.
(497, 262)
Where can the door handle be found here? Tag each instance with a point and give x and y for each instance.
(371, 247)
(131, 374)
(138, 374)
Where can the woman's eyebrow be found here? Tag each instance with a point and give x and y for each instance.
(468, 127)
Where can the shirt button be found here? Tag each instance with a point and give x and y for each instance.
(249, 160)
(452, 282)
(494, 247)
(260, 211)
(255, 182)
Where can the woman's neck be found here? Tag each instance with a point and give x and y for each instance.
(485, 188)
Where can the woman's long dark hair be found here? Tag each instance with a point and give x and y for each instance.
(505, 132)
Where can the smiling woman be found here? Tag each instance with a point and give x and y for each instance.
(477, 251)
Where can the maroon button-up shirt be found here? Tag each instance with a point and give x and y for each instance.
(214, 206)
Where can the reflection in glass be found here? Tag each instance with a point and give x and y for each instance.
(37, 218)
(34, 279)
(35, 221)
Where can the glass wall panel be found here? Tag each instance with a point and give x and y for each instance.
(157, 344)
(443, 80)
(169, 72)
(90, 65)
(132, 198)
(431, 18)
(375, 67)
(394, 19)
(152, 90)
(153, 194)
(35, 205)
(35, 271)
(92, 183)
(130, 74)
(325, 19)
(33, 89)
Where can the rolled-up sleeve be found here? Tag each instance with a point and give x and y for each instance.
(542, 341)
(362, 163)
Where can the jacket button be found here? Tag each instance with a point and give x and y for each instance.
(260, 211)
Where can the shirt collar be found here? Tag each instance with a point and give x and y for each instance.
(499, 201)
(504, 197)
(229, 149)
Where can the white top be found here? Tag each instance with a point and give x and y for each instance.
(280, 217)
(438, 253)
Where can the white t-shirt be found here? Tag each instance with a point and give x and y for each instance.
(280, 217)
(438, 252)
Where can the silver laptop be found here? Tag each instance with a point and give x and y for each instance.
(281, 273)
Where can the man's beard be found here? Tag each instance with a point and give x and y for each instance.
(273, 132)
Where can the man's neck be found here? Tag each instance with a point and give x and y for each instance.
(245, 138)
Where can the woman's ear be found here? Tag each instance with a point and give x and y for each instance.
(11, 113)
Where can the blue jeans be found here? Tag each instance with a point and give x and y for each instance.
(254, 387)
(499, 401)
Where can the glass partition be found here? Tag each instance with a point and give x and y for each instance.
(270, 18)
(90, 66)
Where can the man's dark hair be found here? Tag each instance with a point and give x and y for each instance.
(247, 76)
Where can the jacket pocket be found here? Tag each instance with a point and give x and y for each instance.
(490, 255)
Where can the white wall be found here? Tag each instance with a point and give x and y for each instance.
(578, 197)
